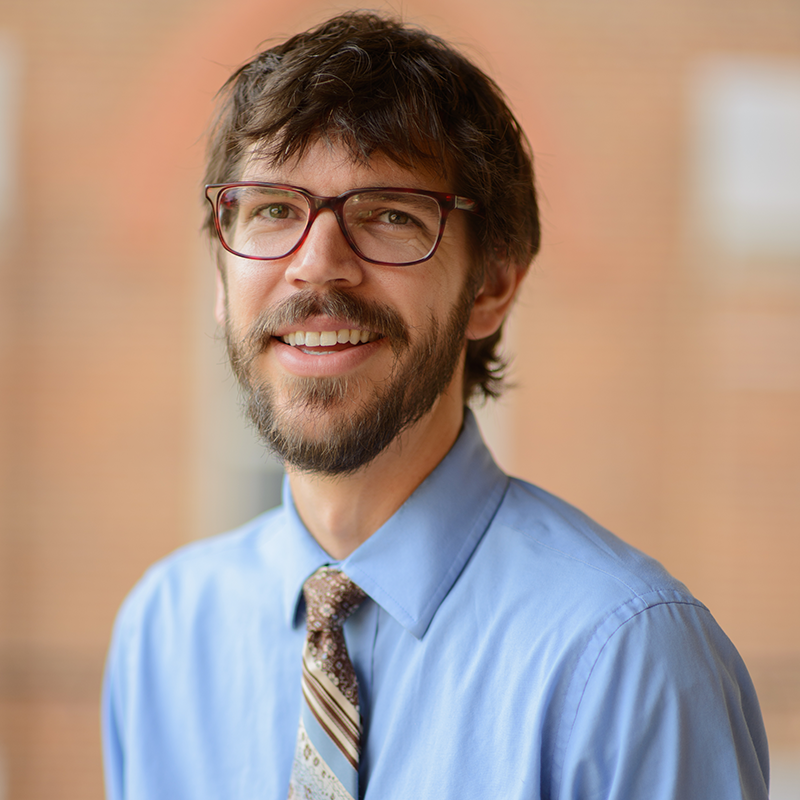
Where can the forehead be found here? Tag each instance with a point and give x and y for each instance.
(330, 168)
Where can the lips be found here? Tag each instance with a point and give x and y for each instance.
(346, 347)
(300, 352)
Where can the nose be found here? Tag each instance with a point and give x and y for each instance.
(325, 258)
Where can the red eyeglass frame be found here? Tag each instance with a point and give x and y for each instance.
(447, 202)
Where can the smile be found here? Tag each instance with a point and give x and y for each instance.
(329, 338)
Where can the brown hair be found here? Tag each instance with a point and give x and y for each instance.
(377, 85)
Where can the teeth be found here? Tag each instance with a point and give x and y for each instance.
(328, 338)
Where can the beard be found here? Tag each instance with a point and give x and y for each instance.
(337, 425)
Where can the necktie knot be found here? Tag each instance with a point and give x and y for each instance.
(331, 597)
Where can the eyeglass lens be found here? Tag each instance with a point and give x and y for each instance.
(391, 227)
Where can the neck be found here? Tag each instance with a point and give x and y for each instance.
(342, 512)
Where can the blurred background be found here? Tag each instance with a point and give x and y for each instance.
(656, 346)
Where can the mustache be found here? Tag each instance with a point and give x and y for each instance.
(365, 314)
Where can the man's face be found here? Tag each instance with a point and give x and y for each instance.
(331, 408)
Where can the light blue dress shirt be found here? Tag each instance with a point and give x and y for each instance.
(509, 648)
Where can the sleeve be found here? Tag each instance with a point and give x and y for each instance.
(112, 721)
(119, 681)
(662, 708)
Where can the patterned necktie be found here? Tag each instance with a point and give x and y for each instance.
(329, 738)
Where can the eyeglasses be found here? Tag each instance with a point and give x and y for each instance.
(393, 227)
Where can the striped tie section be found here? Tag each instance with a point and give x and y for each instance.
(328, 740)
(336, 715)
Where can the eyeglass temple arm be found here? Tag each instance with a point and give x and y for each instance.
(465, 204)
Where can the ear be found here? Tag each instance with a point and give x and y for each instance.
(494, 299)
(220, 311)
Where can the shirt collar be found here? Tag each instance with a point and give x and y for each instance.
(410, 563)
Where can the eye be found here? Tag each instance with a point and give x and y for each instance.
(274, 211)
(389, 214)
(394, 217)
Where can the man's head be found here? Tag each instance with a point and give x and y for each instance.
(352, 104)
(378, 86)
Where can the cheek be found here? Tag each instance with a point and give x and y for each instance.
(428, 290)
(251, 289)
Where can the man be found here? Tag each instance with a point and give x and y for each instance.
(410, 623)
